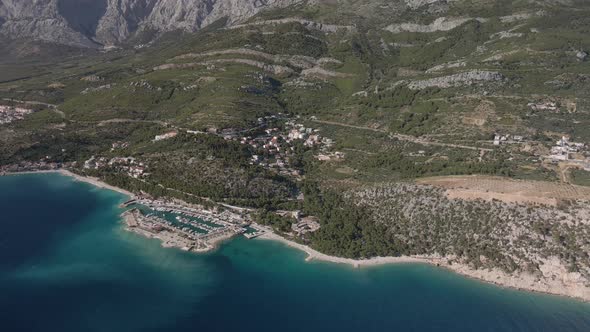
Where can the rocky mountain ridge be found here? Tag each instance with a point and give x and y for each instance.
(91, 23)
(96, 23)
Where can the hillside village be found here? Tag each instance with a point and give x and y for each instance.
(10, 114)
(274, 142)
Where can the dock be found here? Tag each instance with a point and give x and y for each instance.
(128, 203)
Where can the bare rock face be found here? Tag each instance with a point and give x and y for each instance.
(90, 23)
(38, 19)
(461, 79)
(440, 24)
(190, 15)
(123, 18)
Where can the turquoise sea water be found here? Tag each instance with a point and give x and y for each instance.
(67, 265)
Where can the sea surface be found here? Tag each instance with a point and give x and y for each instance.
(66, 264)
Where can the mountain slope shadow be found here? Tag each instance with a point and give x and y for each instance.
(83, 15)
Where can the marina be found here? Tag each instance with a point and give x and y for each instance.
(190, 228)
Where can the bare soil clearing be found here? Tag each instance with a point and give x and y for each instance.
(507, 190)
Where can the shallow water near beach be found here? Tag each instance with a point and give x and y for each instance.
(66, 264)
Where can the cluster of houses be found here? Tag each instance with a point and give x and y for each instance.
(305, 225)
(274, 147)
(9, 114)
(142, 84)
(128, 165)
(302, 224)
(505, 139)
(563, 149)
(309, 136)
(119, 145)
(553, 106)
(544, 106)
(272, 142)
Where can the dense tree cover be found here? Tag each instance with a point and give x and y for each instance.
(419, 121)
(139, 186)
(280, 223)
(295, 40)
(209, 166)
(346, 229)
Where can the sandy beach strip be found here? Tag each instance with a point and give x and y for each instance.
(316, 255)
(93, 181)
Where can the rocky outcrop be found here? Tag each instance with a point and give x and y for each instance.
(415, 4)
(273, 69)
(296, 61)
(440, 24)
(445, 66)
(456, 80)
(329, 28)
(518, 17)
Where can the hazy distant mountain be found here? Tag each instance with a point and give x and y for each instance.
(89, 23)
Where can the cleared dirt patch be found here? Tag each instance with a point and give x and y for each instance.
(507, 190)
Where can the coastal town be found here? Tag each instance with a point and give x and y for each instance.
(177, 224)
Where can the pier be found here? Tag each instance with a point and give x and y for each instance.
(259, 231)
(128, 203)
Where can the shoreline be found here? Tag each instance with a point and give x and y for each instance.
(313, 254)
(86, 179)
(499, 278)
(523, 282)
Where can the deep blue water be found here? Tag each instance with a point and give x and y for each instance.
(67, 265)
